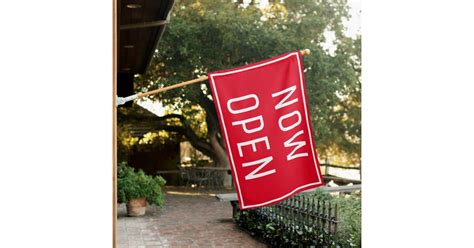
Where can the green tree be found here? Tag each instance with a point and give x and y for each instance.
(207, 35)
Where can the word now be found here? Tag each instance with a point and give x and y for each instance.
(286, 123)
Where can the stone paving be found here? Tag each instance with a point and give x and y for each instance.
(188, 219)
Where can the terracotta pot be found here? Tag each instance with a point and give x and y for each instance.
(136, 207)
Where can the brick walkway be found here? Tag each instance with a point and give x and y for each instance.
(188, 219)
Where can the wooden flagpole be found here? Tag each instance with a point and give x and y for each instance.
(196, 80)
(179, 85)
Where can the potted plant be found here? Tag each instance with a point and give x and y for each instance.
(135, 188)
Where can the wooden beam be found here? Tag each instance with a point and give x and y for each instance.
(345, 189)
(144, 25)
(168, 172)
(341, 167)
(340, 180)
(342, 189)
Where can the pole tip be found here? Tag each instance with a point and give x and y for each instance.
(305, 52)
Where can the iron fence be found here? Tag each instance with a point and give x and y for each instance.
(301, 220)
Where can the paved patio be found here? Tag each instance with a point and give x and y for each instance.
(188, 219)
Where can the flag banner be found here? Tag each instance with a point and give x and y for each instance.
(265, 123)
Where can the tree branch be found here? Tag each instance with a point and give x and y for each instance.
(213, 126)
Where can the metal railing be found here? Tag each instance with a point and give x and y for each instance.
(301, 220)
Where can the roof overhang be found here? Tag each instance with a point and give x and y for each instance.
(141, 25)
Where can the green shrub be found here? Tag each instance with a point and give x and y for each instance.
(349, 216)
(133, 184)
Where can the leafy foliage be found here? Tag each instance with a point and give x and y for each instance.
(128, 144)
(133, 184)
(349, 230)
(206, 35)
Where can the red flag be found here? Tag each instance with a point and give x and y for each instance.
(265, 122)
